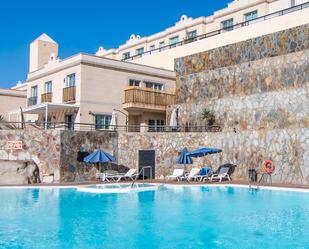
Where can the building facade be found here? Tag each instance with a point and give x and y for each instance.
(244, 19)
(85, 90)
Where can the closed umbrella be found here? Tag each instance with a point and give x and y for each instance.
(173, 120)
(183, 158)
(113, 122)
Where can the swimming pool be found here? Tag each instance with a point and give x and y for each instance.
(172, 217)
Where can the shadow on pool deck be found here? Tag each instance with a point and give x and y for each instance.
(161, 181)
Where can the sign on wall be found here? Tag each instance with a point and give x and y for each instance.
(14, 145)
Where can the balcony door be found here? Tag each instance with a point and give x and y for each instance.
(69, 121)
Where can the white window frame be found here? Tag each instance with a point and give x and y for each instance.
(124, 57)
(135, 80)
(46, 88)
(250, 13)
(139, 49)
(68, 83)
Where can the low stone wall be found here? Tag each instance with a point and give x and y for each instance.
(289, 149)
(55, 152)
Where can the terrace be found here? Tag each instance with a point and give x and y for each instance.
(137, 98)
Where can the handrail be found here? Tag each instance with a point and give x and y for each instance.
(145, 89)
(222, 30)
(108, 128)
(142, 170)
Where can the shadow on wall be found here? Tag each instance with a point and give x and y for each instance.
(19, 172)
(83, 172)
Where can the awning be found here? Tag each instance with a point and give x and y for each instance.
(41, 108)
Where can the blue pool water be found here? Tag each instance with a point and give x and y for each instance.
(181, 217)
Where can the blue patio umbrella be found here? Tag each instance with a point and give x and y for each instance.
(183, 158)
(203, 152)
(99, 156)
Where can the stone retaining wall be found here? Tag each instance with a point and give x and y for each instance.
(74, 141)
(289, 149)
(261, 83)
(39, 147)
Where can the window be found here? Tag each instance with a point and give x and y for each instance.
(139, 51)
(250, 16)
(191, 34)
(161, 44)
(133, 82)
(102, 121)
(48, 87)
(34, 91)
(156, 125)
(33, 100)
(152, 47)
(126, 55)
(227, 24)
(292, 3)
(154, 85)
(70, 80)
(173, 41)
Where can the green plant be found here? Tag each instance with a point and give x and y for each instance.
(209, 116)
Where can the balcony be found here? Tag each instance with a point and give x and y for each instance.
(46, 97)
(137, 98)
(32, 101)
(69, 94)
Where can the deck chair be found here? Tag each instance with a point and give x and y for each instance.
(127, 176)
(193, 173)
(177, 174)
(222, 174)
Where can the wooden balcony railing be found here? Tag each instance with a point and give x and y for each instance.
(147, 96)
(32, 101)
(69, 94)
(46, 97)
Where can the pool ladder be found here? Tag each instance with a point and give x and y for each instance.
(253, 182)
(142, 171)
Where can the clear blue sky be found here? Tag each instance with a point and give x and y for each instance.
(83, 25)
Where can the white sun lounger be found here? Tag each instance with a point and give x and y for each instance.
(129, 175)
(192, 175)
(222, 174)
(177, 174)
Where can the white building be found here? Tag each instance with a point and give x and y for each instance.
(240, 20)
(87, 89)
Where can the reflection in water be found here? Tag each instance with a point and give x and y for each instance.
(35, 194)
(148, 196)
(230, 190)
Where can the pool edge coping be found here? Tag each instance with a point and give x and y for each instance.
(169, 185)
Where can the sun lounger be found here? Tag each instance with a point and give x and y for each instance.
(222, 174)
(127, 176)
(177, 174)
(191, 176)
(204, 174)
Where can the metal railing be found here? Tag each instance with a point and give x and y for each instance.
(69, 94)
(220, 31)
(109, 128)
(142, 171)
(148, 96)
